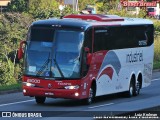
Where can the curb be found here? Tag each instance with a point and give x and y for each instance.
(156, 70)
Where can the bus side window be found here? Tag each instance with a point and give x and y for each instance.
(88, 40)
(87, 44)
(150, 34)
(101, 39)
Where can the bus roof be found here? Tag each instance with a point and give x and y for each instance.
(85, 21)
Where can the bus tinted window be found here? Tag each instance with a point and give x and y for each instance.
(101, 39)
(150, 35)
(122, 37)
(41, 34)
(88, 39)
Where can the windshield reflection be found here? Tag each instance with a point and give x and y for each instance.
(68, 52)
(59, 58)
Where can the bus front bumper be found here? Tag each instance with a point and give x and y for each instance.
(53, 93)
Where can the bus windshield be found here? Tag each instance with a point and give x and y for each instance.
(53, 53)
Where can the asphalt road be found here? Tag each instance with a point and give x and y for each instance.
(60, 108)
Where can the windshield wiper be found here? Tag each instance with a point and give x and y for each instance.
(44, 65)
(60, 71)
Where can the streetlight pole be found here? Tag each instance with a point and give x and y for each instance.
(1, 9)
(76, 5)
(73, 5)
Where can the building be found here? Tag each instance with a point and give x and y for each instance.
(3, 4)
(152, 7)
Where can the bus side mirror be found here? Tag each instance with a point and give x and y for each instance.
(20, 50)
(86, 49)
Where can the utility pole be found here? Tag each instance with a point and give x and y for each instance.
(1, 9)
(76, 5)
(73, 5)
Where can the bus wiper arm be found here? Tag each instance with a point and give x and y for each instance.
(44, 66)
(60, 71)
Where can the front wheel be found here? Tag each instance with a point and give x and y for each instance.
(89, 100)
(40, 100)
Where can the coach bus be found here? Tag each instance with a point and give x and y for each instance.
(85, 56)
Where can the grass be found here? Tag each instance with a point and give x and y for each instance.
(156, 64)
(11, 87)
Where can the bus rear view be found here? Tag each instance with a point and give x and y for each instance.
(81, 57)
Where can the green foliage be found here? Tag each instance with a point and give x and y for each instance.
(82, 3)
(121, 13)
(157, 49)
(17, 86)
(18, 6)
(42, 9)
(104, 6)
(156, 44)
(13, 28)
(142, 13)
(124, 13)
(45, 14)
(7, 73)
(157, 27)
(66, 11)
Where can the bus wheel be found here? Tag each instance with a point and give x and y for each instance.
(131, 90)
(40, 100)
(89, 100)
(137, 89)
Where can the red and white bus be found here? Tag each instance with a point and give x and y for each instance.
(84, 56)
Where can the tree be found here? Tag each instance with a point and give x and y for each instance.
(13, 28)
(42, 9)
(18, 6)
(106, 5)
(82, 3)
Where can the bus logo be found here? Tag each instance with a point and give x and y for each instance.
(49, 85)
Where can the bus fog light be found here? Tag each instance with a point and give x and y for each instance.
(76, 94)
(24, 91)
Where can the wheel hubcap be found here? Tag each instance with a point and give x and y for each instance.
(131, 91)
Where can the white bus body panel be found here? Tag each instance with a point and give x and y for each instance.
(133, 61)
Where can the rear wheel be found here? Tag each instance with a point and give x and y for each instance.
(131, 89)
(130, 92)
(137, 89)
(40, 100)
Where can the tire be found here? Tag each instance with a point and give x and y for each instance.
(130, 92)
(91, 97)
(40, 100)
(137, 89)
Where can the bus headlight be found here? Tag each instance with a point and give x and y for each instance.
(28, 84)
(24, 91)
(76, 94)
(71, 87)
